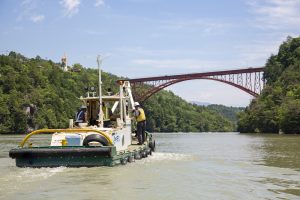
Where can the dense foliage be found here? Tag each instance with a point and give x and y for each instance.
(229, 113)
(277, 109)
(169, 113)
(52, 96)
(39, 83)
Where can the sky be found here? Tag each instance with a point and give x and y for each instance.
(141, 38)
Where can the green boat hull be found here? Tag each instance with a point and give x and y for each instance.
(77, 156)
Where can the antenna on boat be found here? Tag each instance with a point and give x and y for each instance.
(99, 61)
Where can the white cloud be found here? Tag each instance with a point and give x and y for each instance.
(276, 14)
(28, 11)
(27, 2)
(71, 7)
(141, 51)
(180, 64)
(206, 26)
(99, 3)
(263, 50)
(37, 18)
(26, 7)
(256, 52)
(93, 32)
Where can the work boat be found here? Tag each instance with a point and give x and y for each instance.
(97, 141)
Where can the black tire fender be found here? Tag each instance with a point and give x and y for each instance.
(95, 138)
(131, 159)
(124, 161)
(137, 156)
(148, 151)
(152, 145)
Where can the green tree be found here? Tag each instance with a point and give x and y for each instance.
(277, 108)
(54, 93)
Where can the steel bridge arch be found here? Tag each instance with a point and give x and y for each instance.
(249, 80)
(172, 82)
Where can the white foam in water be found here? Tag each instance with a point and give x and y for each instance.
(159, 156)
(171, 156)
(40, 173)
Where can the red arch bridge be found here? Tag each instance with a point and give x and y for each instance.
(249, 80)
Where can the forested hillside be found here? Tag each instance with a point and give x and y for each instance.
(52, 96)
(277, 109)
(169, 113)
(229, 113)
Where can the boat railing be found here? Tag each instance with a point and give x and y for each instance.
(65, 131)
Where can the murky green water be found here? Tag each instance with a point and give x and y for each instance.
(185, 166)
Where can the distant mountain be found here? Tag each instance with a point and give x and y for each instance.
(228, 112)
(200, 103)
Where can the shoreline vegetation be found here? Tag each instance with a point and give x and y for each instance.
(37, 93)
(277, 109)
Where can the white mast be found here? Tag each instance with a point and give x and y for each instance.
(99, 61)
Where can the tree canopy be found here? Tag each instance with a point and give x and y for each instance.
(277, 109)
(37, 93)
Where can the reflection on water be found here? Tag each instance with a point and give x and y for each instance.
(186, 166)
(282, 151)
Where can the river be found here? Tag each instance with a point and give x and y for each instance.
(185, 166)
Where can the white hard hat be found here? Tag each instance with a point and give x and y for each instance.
(136, 104)
(83, 107)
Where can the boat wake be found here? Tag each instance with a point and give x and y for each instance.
(165, 157)
(23, 177)
(43, 173)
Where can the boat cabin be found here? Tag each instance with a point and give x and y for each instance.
(114, 111)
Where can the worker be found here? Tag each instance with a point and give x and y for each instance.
(81, 115)
(141, 122)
